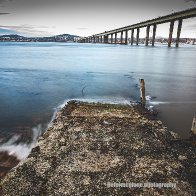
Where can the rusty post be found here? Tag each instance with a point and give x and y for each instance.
(142, 92)
(193, 131)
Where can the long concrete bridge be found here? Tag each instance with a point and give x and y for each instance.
(171, 18)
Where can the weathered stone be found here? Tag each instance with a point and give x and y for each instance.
(90, 145)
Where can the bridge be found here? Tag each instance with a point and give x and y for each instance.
(171, 18)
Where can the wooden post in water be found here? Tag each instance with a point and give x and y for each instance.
(193, 131)
(142, 92)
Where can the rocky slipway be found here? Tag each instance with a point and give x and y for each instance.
(105, 149)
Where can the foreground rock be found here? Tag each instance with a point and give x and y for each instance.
(91, 146)
(7, 162)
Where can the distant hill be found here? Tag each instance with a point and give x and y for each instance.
(56, 38)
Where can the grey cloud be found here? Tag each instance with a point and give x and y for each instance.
(191, 27)
(23, 26)
(5, 1)
(82, 28)
(27, 29)
(190, 1)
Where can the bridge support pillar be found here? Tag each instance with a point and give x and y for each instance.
(106, 39)
(126, 37)
(121, 37)
(154, 34)
(101, 39)
(138, 35)
(178, 32)
(115, 38)
(111, 38)
(147, 34)
(170, 33)
(97, 39)
(132, 36)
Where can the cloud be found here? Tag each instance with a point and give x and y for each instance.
(191, 27)
(28, 30)
(194, 1)
(2, 1)
(82, 28)
(5, 1)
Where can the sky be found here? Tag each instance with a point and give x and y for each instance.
(88, 17)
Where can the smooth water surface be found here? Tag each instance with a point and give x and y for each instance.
(36, 77)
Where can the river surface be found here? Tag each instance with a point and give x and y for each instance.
(35, 78)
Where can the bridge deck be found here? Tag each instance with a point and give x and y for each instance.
(163, 19)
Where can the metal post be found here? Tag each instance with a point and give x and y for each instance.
(170, 33)
(178, 32)
(132, 36)
(147, 34)
(111, 38)
(154, 34)
(138, 35)
(101, 39)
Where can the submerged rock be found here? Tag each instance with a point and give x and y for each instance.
(102, 149)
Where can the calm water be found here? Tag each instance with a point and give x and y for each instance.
(37, 77)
